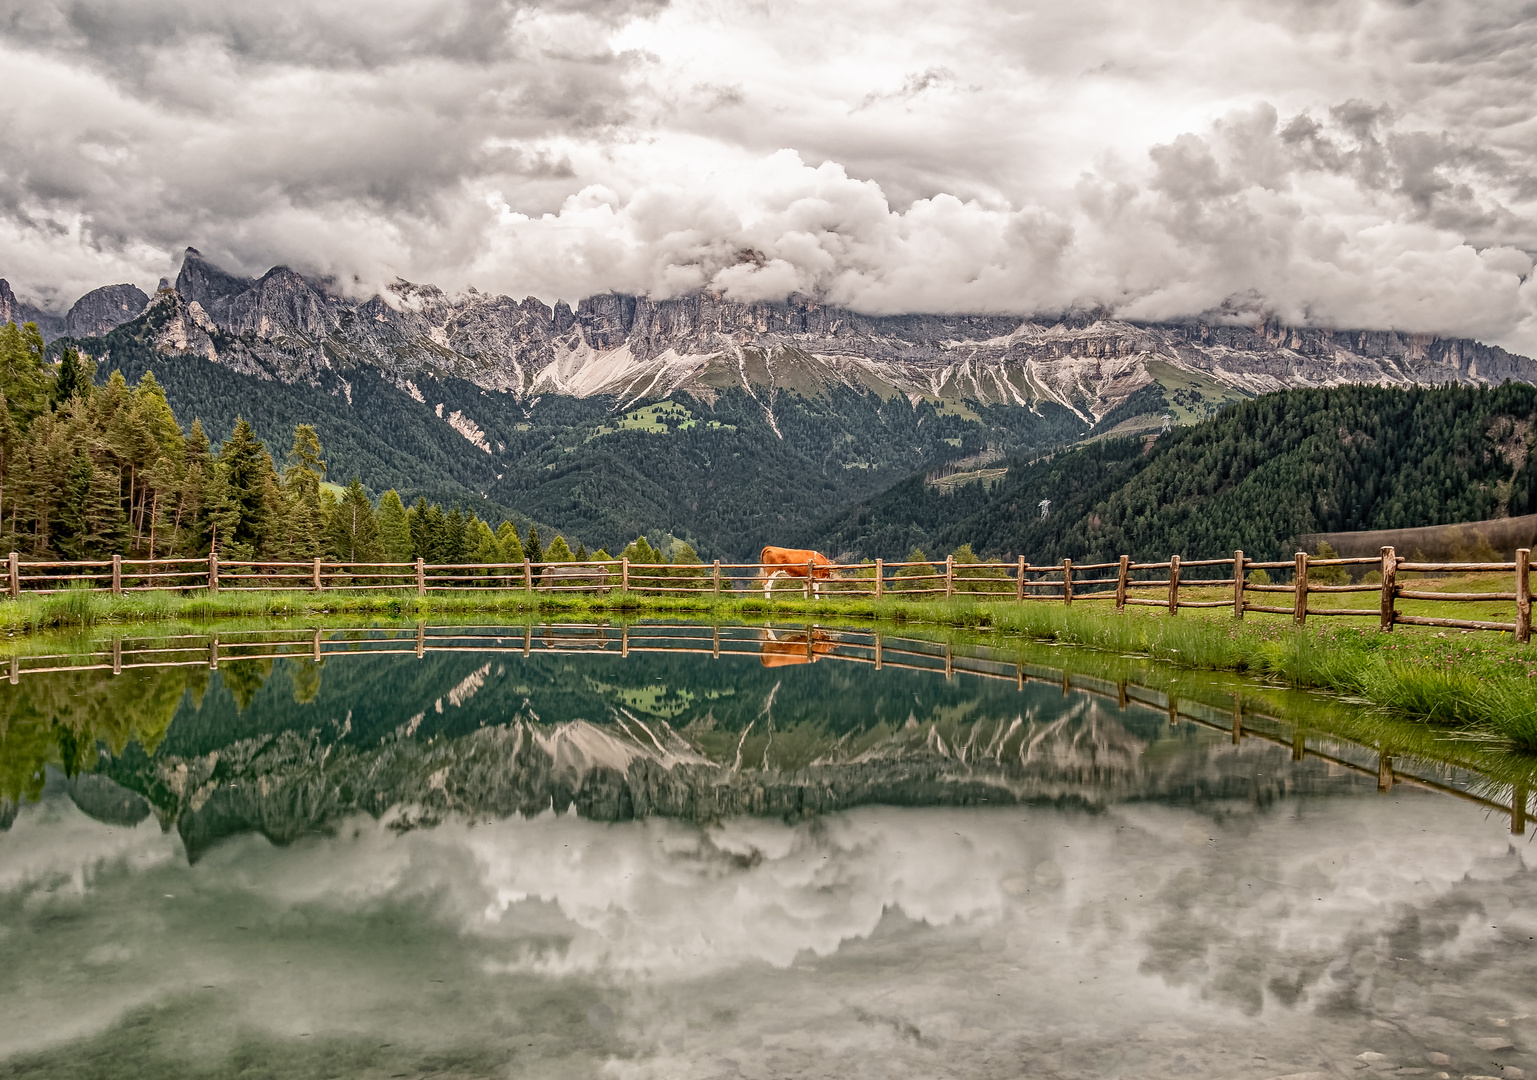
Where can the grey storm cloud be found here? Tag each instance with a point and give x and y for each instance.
(1365, 163)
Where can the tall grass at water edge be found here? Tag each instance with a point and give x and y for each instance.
(1492, 691)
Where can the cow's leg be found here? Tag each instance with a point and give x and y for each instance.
(768, 585)
(816, 588)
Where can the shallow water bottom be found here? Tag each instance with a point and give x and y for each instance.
(1348, 933)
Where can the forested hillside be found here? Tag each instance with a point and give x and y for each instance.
(1256, 476)
(727, 473)
(90, 471)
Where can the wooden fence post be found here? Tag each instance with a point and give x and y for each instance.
(949, 576)
(715, 582)
(1019, 580)
(1173, 584)
(1238, 584)
(1122, 576)
(213, 571)
(421, 577)
(117, 575)
(1523, 595)
(213, 653)
(877, 651)
(624, 574)
(15, 675)
(315, 644)
(806, 589)
(880, 578)
(1300, 589)
(421, 639)
(315, 580)
(1389, 588)
(1067, 582)
(117, 656)
(13, 575)
(528, 575)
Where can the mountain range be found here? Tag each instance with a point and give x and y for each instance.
(730, 424)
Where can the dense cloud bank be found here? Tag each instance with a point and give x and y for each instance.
(1357, 164)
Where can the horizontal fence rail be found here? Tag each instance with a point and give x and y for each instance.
(777, 647)
(1170, 585)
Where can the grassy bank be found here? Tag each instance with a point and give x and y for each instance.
(1482, 682)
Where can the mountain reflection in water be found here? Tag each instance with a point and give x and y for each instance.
(636, 869)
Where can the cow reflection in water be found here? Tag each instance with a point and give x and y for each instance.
(786, 647)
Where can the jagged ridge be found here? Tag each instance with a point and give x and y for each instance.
(292, 328)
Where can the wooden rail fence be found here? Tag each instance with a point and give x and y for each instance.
(1124, 581)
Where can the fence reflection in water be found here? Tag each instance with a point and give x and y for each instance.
(784, 646)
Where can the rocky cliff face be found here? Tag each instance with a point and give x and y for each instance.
(95, 313)
(16, 311)
(103, 309)
(288, 327)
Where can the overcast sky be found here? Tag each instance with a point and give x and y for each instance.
(1341, 162)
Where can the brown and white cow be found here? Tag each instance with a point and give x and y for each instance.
(786, 649)
(796, 563)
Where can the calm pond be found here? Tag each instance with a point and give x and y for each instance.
(683, 850)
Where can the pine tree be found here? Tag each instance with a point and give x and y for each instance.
(394, 527)
(189, 524)
(531, 549)
(484, 547)
(303, 520)
(915, 556)
(640, 550)
(72, 379)
(581, 552)
(252, 493)
(106, 524)
(72, 530)
(24, 379)
(352, 532)
(435, 522)
(455, 543)
(419, 523)
(559, 550)
(221, 513)
(512, 547)
(10, 445)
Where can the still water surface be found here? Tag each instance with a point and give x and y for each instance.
(594, 860)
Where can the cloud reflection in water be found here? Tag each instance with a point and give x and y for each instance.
(1150, 939)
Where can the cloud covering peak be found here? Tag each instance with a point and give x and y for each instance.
(1365, 163)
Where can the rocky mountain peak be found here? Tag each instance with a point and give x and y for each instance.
(206, 283)
(100, 310)
(15, 310)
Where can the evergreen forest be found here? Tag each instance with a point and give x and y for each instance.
(90, 471)
(1256, 476)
